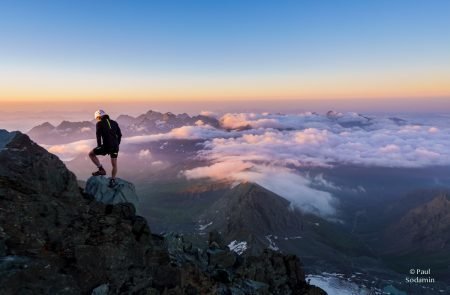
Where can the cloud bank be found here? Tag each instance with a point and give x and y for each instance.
(276, 146)
(271, 149)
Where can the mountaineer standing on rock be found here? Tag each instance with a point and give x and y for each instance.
(108, 141)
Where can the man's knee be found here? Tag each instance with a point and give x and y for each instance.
(91, 154)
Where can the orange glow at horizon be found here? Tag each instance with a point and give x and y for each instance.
(140, 88)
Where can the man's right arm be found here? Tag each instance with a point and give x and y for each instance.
(99, 134)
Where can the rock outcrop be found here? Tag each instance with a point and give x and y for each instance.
(123, 192)
(56, 239)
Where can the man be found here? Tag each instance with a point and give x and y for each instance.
(108, 141)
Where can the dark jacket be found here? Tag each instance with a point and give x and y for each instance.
(108, 133)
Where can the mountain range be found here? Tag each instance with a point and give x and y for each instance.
(149, 123)
(153, 122)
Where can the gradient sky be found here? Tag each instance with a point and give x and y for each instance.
(224, 50)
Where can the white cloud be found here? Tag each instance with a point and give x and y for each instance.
(184, 132)
(209, 114)
(280, 180)
(71, 150)
(433, 130)
(321, 181)
(219, 170)
(291, 121)
(145, 154)
(390, 148)
(263, 153)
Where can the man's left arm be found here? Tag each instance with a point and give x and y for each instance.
(119, 133)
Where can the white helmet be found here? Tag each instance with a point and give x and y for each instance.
(99, 113)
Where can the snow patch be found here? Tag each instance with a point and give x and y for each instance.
(203, 227)
(336, 285)
(272, 245)
(292, 238)
(238, 247)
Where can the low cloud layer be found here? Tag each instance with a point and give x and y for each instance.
(280, 180)
(67, 152)
(312, 139)
(199, 132)
(270, 149)
(276, 145)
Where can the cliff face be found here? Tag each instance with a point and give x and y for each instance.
(423, 229)
(56, 239)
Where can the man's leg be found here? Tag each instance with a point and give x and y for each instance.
(114, 168)
(94, 159)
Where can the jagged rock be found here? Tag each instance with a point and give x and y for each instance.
(24, 275)
(215, 240)
(268, 273)
(221, 275)
(6, 137)
(123, 192)
(221, 258)
(29, 168)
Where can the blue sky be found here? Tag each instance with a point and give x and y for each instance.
(258, 41)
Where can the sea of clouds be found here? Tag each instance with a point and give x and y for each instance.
(271, 149)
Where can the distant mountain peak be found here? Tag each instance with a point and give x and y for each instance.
(46, 125)
(125, 117)
(250, 212)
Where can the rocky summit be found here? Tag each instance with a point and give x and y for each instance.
(55, 238)
(122, 192)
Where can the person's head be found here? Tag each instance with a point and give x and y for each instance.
(99, 114)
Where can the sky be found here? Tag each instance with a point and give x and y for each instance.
(228, 51)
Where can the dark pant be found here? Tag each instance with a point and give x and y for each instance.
(103, 151)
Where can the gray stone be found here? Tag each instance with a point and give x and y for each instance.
(123, 192)
(101, 290)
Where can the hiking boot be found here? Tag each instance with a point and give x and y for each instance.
(112, 182)
(100, 171)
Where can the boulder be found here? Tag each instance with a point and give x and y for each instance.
(123, 192)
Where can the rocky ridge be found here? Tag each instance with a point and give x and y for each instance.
(56, 239)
